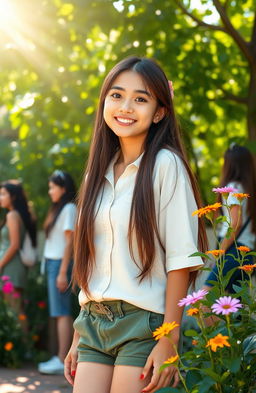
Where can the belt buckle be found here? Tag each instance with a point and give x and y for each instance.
(103, 309)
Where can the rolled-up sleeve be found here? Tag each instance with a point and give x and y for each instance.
(178, 229)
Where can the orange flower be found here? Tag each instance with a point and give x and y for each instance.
(164, 330)
(35, 337)
(207, 209)
(240, 196)
(247, 268)
(218, 341)
(243, 249)
(171, 360)
(22, 317)
(192, 311)
(8, 346)
(194, 342)
(215, 253)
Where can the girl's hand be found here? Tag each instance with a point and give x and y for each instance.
(62, 282)
(70, 363)
(161, 352)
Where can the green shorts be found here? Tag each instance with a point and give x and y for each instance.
(116, 333)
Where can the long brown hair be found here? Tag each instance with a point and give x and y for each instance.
(61, 179)
(164, 134)
(239, 167)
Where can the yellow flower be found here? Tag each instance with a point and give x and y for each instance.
(243, 249)
(218, 341)
(247, 268)
(215, 253)
(172, 359)
(8, 346)
(164, 330)
(207, 209)
(22, 317)
(192, 311)
(240, 196)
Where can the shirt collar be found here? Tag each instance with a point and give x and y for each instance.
(109, 175)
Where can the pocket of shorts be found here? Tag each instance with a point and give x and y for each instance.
(79, 322)
(154, 321)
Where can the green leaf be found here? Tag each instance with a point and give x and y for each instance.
(199, 254)
(212, 374)
(249, 345)
(192, 378)
(169, 390)
(205, 384)
(233, 364)
(190, 333)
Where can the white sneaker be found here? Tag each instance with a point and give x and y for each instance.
(53, 366)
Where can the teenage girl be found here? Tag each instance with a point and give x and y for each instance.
(239, 173)
(18, 221)
(59, 227)
(134, 235)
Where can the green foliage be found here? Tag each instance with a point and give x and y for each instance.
(50, 79)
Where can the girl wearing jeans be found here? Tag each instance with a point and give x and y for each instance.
(59, 227)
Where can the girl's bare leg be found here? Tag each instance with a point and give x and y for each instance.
(93, 378)
(126, 379)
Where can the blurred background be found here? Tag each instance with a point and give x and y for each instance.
(54, 55)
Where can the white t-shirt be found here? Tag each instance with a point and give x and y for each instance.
(115, 274)
(247, 237)
(55, 242)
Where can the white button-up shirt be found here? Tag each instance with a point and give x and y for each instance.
(115, 274)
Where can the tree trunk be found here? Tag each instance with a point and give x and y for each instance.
(251, 112)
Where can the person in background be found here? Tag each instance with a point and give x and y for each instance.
(238, 173)
(18, 220)
(133, 237)
(59, 227)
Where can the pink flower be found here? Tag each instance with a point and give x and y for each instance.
(225, 305)
(191, 299)
(224, 190)
(5, 278)
(15, 295)
(8, 287)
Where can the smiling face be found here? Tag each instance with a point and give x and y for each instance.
(55, 192)
(5, 199)
(129, 107)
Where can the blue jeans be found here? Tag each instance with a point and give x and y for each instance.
(59, 302)
(229, 264)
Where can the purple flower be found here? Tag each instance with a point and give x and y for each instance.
(191, 299)
(5, 278)
(225, 305)
(224, 190)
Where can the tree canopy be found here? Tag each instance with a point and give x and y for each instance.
(54, 55)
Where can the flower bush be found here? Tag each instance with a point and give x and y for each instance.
(222, 357)
(17, 345)
(12, 346)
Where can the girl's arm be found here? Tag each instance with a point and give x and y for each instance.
(62, 279)
(236, 223)
(177, 286)
(13, 225)
(70, 361)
